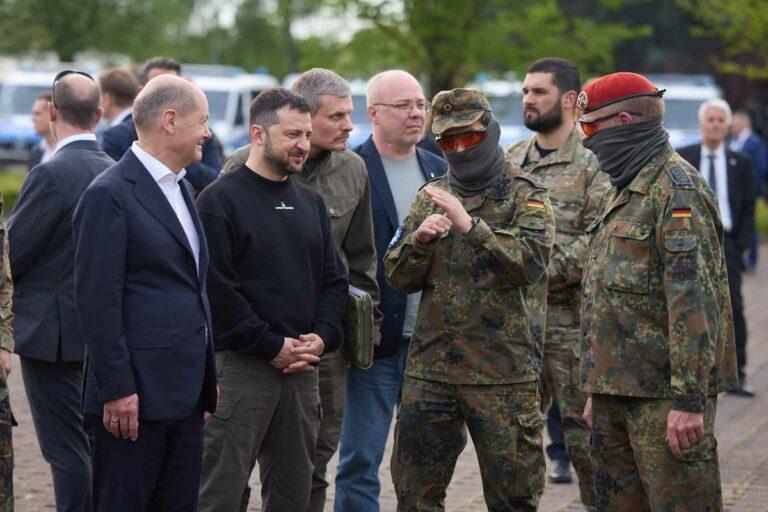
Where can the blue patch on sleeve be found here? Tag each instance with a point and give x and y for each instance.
(396, 238)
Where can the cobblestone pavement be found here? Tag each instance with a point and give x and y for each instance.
(742, 431)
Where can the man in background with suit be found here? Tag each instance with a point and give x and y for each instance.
(729, 175)
(41, 120)
(118, 139)
(749, 143)
(140, 266)
(48, 337)
(119, 88)
(397, 168)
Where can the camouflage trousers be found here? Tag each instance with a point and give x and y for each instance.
(560, 381)
(505, 422)
(634, 468)
(6, 448)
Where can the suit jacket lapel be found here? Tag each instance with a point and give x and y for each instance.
(203, 257)
(150, 196)
(379, 181)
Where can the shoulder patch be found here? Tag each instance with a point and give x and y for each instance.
(679, 177)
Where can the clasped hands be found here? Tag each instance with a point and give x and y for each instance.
(297, 355)
(437, 225)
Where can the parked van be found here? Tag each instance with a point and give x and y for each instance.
(19, 91)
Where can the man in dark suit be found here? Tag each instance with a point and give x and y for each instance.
(749, 143)
(140, 267)
(48, 337)
(397, 168)
(41, 120)
(118, 139)
(729, 174)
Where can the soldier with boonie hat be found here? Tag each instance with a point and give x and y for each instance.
(476, 243)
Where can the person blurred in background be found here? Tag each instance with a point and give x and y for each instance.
(41, 120)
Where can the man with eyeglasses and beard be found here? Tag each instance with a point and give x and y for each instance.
(555, 155)
(277, 289)
(476, 243)
(657, 329)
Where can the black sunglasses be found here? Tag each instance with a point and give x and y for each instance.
(64, 73)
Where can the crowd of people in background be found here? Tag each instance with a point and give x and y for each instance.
(178, 315)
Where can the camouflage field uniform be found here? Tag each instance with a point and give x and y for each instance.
(6, 342)
(575, 186)
(657, 335)
(475, 355)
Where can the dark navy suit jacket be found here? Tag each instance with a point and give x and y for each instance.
(384, 226)
(140, 297)
(117, 139)
(41, 253)
(757, 151)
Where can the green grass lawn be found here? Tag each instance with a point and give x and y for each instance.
(10, 183)
(761, 217)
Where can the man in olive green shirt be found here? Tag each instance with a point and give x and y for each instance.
(340, 177)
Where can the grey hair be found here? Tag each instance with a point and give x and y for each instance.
(717, 103)
(319, 82)
(148, 107)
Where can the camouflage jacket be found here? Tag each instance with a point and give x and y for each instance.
(6, 289)
(341, 180)
(575, 186)
(656, 313)
(482, 311)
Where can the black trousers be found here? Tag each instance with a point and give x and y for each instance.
(54, 391)
(734, 264)
(159, 472)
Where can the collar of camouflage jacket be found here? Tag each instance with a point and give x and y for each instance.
(564, 154)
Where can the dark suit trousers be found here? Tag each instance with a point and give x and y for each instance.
(54, 391)
(159, 472)
(733, 262)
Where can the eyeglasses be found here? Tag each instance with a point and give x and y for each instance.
(405, 106)
(64, 73)
(590, 127)
(464, 140)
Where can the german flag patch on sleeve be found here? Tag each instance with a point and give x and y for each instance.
(535, 203)
(681, 213)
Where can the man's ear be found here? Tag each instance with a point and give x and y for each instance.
(52, 111)
(169, 119)
(256, 132)
(568, 101)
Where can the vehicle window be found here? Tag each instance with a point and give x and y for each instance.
(217, 104)
(18, 99)
(507, 109)
(239, 116)
(681, 114)
(360, 114)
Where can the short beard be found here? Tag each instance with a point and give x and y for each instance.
(547, 122)
(281, 166)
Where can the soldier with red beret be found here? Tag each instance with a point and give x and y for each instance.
(657, 330)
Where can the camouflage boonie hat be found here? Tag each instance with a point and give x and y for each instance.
(457, 108)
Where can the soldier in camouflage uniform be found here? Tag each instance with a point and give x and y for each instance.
(476, 243)
(575, 185)
(658, 342)
(6, 348)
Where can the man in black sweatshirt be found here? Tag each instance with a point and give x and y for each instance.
(277, 289)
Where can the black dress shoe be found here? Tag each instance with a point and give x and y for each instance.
(744, 390)
(561, 472)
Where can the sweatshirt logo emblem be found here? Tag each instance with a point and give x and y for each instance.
(283, 206)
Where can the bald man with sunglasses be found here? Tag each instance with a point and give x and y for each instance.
(476, 243)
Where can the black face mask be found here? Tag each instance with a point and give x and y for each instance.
(472, 170)
(623, 150)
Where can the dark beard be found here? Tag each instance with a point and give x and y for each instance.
(547, 122)
(279, 165)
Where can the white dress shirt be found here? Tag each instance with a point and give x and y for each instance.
(47, 151)
(169, 184)
(72, 138)
(121, 117)
(721, 181)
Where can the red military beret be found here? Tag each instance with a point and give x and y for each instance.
(614, 88)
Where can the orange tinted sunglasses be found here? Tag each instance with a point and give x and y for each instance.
(590, 127)
(454, 141)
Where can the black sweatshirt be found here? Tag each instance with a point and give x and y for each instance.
(274, 271)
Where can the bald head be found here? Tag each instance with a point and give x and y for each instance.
(385, 86)
(77, 99)
(161, 94)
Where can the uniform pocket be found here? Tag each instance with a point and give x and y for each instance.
(680, 256)
(629, 264)
(705, 449)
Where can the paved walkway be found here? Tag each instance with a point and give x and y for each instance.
(742, 431)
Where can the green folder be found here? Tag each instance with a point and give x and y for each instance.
(358, 328)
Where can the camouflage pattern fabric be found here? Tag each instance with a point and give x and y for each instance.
(505, 423)
(576, 187)
(482, 311)
(634, 467)
(457, 108)
(6, 342)
(656, 317)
